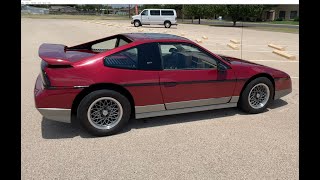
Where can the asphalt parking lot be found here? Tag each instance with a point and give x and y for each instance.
(217, 144)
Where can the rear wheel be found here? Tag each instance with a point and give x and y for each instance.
(136, 23)
(257, 95)
(167, 24)
(104, 112)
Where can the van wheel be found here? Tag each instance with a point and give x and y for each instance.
(104, 112)
(167, 24)
(136, 23)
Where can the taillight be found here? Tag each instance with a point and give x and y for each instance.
(44, 76)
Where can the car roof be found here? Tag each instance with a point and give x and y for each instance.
(160, 9)
(153, 36)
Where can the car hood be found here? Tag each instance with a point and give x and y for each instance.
(246, 67)
(234, 60)
(135, 16)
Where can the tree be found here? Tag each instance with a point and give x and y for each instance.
(173, 6)
(240, 12)
(197, 10)
(151, 6)
(235, 12)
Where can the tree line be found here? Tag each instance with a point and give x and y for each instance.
(197, 11)
(233, 12)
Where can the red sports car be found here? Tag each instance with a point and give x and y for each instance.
(104, 83)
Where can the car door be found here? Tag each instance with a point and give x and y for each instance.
(145, 17)
(137, 69)
(155, 17)
(190, 77)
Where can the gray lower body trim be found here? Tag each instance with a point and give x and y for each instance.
(185, 110)
(150, 108)
(199, 102)
(281, 93)
(56, 114)
(234, 99)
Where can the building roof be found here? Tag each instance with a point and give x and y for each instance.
(32, 8)
(61, 7)
(144, 36)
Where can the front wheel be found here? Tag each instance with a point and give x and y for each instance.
(257, 95)
(104, 112)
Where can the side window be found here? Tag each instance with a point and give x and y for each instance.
(293, 14)
(127, 59)
(122, 42)
(186, 57)
(155, 12)
(144, 13)
(282, 14)
(166, 13)
(105, 45)
(142, 57)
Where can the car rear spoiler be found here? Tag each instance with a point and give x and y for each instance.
(54, 54)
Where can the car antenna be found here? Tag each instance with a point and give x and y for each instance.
(241, 36)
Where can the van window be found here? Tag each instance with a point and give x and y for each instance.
(166, 13)
(144, 13)
(155, 12)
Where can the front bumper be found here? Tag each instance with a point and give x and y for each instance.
(281, 93)
(56, 114)
(283, 87)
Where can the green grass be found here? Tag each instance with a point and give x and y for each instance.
(82, 17)
(284, 22)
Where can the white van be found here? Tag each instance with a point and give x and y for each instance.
(166, 17)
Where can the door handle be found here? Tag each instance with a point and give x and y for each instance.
(169, 84)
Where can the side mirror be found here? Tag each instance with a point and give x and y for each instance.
(221, 67)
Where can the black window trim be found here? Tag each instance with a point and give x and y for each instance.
(192, 45)
(88, 45)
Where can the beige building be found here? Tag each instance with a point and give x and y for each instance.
(285, 12)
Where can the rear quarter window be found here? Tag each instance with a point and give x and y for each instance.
(127, 59)
(142, 57)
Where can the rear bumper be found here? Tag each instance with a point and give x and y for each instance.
(56, 114)
(54, 104)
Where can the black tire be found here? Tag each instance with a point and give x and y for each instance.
(244, 103)
(136, 23)
(167, 24)
(82, 112)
